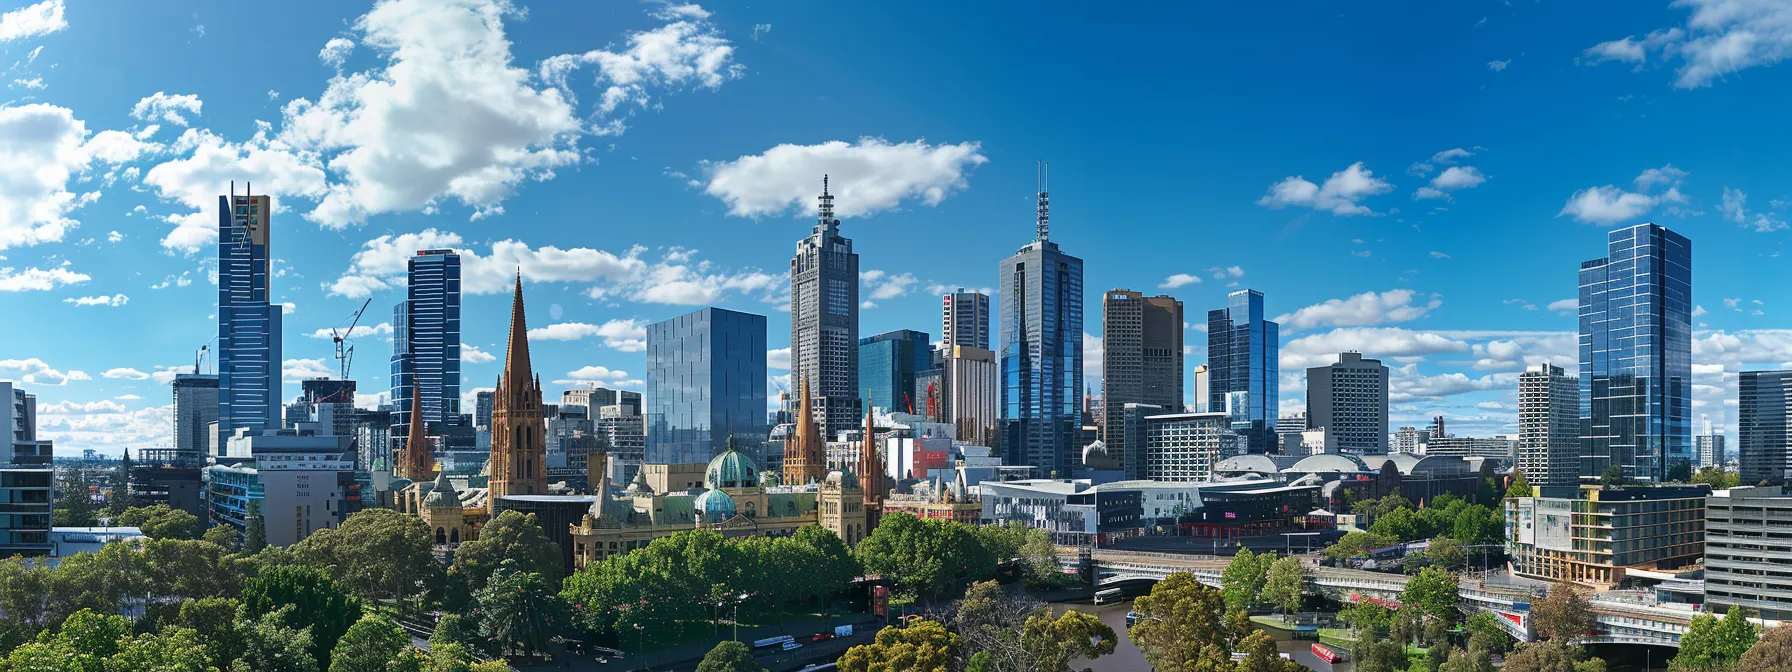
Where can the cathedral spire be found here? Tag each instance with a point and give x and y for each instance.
(517, 373)
(417, 459)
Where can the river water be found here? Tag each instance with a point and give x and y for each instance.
(1128, 658)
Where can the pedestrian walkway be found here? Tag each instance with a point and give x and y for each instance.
(685, 657)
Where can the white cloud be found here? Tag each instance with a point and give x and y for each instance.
(288, 308)
(128, 397)
(114, 237)
(166, 374)
(621, 335)
(1368, 308)
(1458, 177)
(1340, 193)
(1408, 384)
(32, 83)
(1224, 272)
(208, 164)
(40, 19)
(336, 51)
(688, 51)
(1377, 342)
(1734, 208)
(471, 354)
(592, 374)
(1439, 255)
(113, 301)
(778, 358)
(35, 371)
(1517, 350)
(1721, 37)
(1564, 305)
(1698, 311)
(1498, 66)
(173, 109)
(360, 331)
(38, 279)
(864, 178)
(883, 286)
(125, 374)
(1091, 356)
(1179, 280)
(41, 148)
(294, 370)
(1610, 204)
(105, 426)
(1444, 158)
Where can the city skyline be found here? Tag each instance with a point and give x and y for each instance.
(650, 213)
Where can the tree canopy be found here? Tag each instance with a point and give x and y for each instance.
(922, 646)
(1179, 624)
(160, 522)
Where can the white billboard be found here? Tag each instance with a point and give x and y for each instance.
(1553, 519)
(1527, 533)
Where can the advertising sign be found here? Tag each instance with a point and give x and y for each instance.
(1553, 519)
(1527, 533)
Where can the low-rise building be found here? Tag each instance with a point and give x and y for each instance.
(26, 477)
(1463, 446)
(297, 481)
(1593, 535)
(1077, 511)
(1748, 555)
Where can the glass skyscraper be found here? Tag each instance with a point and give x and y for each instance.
(1762, 429)
(705, 380)
(888, 363)
(426, 340)
(1041, 352)
(1636, 355)
(249, 328)
(1242, 365)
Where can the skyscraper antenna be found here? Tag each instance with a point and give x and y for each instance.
(1045, 203)
(827, 205)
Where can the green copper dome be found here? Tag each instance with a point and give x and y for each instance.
(715, 506)
(731, 470)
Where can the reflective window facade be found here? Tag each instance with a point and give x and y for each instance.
(888, 363)
(705, 379)
(249, 328)
(426, 340)
(1242, 365)
(1042, 358)
(1761, 425)
(1636, 355)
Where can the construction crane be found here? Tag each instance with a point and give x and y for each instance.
(346, 353)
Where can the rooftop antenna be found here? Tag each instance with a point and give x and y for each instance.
(827, 205)
(346, 353)
(1045, 203)
(199, 357)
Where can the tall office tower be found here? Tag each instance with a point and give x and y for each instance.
(1203, 383)
(482, 409)
(705, 380)
(1042, 352)
(26, 477)
(1548, 426)
(1436, 429)
(824, 322)
(1709, 450)
(972, 392)
(1636, 355)
(1761, 426)
(249, 327)
(964, 319)
(426, 339)
(624, 432)
(1242, 364)
(888, 363)
(1349, 400)
(195, 409)
(1141, 359)
(519, 464)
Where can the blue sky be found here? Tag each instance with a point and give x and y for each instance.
(1418, 181)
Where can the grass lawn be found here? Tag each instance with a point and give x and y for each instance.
(1337, 637)
(1272, 622)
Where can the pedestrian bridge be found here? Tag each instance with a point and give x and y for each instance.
(1614, 621)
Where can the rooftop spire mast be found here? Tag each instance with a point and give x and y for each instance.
(1045, 203)
(827, 207)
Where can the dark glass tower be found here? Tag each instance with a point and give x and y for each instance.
(705, 381)
(248, 326)
(1636, 355)
(1242, 365)
(426, 340)
(1761, 427)
(888, 363)
(1041, 353)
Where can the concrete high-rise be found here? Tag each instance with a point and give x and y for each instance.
(25, 477)
(426, 339)
(1349, 400)
(972, 393)
(888, 363)
(1242, 363)
(1762, 427)
(195, 409)
(1041, 352)
(1636, 355)
(249, 327)
(1709, 450)
(824, 322)
(1141, 359)
(705, 380)
(964, 319)
(1203, 383)
(1548, 426)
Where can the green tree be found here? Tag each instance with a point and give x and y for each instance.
(1367, 618)
(1242, 583)
(1474, 659)
(459, 630)
(729, 656)
(369, 645)
(1357, 544)
(185, 569)
(980, 662)
(1520, 486)
(1003, 541)
(270, 645)
(520, 611)
(1613, 475)
(83, 643)
(1563, 615)
(509, 536)
(923, 646)
(306, 599)
(1283, 588)
(831, 567)
(1261, 655)
(925, 557)
(24, 594)
(171, 650)
(255, 533)
(160, 522)
(1399, 524)
(73, 505)
(1052, 642)
(1484, 631)
(1379, 655)
(1717, 478)
(1446, 551)
(224, 536)
(1178, 622)
(1039, 561)
(1434, 590)
(214, 619)
(379, 553)
(1770, 654)
(1551, 656)
(1711, 644)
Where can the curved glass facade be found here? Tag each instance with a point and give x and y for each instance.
(1636, 355)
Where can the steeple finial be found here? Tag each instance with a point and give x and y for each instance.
(827, 206)
(1045, 204)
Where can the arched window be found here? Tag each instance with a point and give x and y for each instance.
(441, 538)
(751, 512)
(454, 536)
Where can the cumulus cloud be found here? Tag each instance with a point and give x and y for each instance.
(35, 371)
(105, 426)
(41, 148)
(124, 374)
(294, 370)
(687, 52)
(1179, 280)
(1340, 194)
(1368, 308)
(1498, 66)
(882, 286)
(1374, 342)
(33, 21)
(1091, 356)
(471, 354)
(1735, 209)
(173, 109)
(38, 279)
(207, 163)
(1719, 38)
(621, 335)
(868, 177)
(114, 300)
(360, 331)
(778, 358)
(1610, 204)
(1446, 157)
(1564, 305)
(593, 374)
